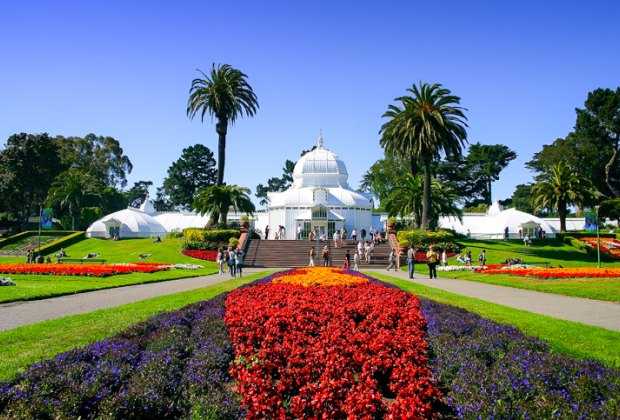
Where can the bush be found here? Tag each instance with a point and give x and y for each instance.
(419, 237)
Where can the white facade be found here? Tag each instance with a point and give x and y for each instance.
(320, 199)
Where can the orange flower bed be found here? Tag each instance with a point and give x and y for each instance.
(93, 270)
(557, 273)
(321, 276)
(609, 246)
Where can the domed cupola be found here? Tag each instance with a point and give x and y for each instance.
(320, 167)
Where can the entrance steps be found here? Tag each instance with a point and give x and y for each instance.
(291, 253)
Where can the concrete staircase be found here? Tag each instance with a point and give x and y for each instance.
(290, 253)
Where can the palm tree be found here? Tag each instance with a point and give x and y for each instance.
(429, 122)
(71, 189)
(560, 188)
(224, 94)
(406, 199)
(219, 199)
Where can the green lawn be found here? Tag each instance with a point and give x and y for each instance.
(31, 287)
(572, 338)
(552, 251)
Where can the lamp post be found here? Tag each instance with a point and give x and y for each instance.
(40, 221)
(598, 241)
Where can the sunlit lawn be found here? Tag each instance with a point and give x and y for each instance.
(552, 251)
(42, 286)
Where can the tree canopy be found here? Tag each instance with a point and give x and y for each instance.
(195, 169)
(562, 187)
(226, 95)
(428, 123)
(28, 165)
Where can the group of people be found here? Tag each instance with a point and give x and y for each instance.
(231, 258)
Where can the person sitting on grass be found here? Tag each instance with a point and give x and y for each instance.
(143, 256)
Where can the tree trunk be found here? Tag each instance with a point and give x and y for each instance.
(221, 128)
(413, 166)
(611, 164)
(488, 197)
(426, 202)
(562, 214)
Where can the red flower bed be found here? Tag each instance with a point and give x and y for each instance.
(201, 254)
(94, 270)
(609, 246)
(355, 351)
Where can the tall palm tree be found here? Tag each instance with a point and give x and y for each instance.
(71, 189)
(406, 199)
(562, 187)
(224, 94)
(429, 122)
(219, 199)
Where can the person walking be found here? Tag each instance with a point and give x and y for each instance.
(325, 256)
(411, 260)
(220, 260)
(392, 260)
(231, 262)
(363, 233)
(336, 237)
(482, 258)
(311, 264)
(238, 263)
(299, 232)
(347, 260)
(444, 258)
(431, 261)
(354, 234)
(266, 232)
(356, 261)
(367, 252)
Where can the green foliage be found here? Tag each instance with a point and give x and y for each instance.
(425, 237)
(194, 170)
(71, 189)
(174, 235)
(208, 239)
(88, 215)
(219, 199)
(430, 122)
(138, 193)
(480, 208)
(609, 209)
(234, 242)
(560, 188)
(100, 156)
(278, 184)
(471, 176)
(28, 165)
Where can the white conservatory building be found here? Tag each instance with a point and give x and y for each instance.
(319, 200)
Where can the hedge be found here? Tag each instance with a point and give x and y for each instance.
(419, 237)
(63, 243)
(26, 233)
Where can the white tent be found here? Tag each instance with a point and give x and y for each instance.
(492, 224)
(131, 223)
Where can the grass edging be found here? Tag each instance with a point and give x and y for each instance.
(25, 345)
(572, 338)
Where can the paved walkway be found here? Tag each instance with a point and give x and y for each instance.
(586, 311)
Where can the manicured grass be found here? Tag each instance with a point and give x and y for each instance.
(554, 252)
(33, 287)
(30, 287)
(591, 288)
(572, 338)
(28, 344)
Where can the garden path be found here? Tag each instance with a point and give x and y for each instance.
(586, 311)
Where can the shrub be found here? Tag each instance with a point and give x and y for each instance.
(425, 238)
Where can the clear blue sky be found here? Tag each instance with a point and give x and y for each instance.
(124, 68)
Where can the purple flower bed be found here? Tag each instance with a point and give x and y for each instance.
(173, 365)
(487, 370)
